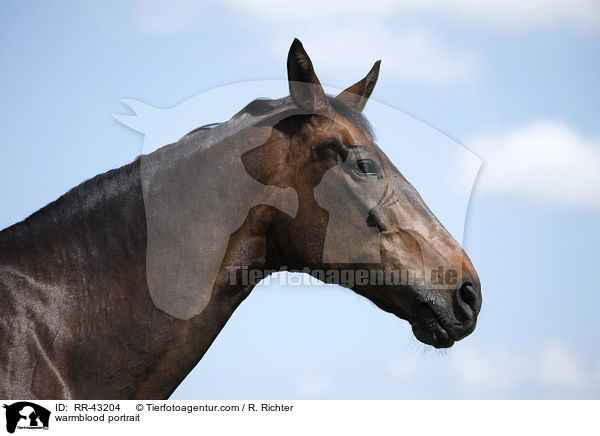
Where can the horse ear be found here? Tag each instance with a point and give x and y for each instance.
(305, 88)
(358, 94)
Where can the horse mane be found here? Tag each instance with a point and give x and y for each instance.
(77, 202)
(263, 107)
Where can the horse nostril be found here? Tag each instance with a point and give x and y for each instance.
(468, 300)
(467, 294)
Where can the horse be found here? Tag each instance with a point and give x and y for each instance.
(106, 292)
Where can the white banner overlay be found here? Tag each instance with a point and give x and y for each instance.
(308, 417)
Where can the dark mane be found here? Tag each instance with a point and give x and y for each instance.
(353, 115)
(80, 201)
(203, 128)
(264, 106)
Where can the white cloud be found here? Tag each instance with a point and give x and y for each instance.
(507, 15)
(339, 36)
(491, 373)
(413, 55)
(516, 15)
(403, 369)
(558, 367)
(363, 33)
(157, 16)
(551, 369)
(546, 160)
(313, 386)
(511, 15)
(596, 375)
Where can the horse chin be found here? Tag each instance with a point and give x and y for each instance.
(429, 324)
(431, 329)
(432, 334)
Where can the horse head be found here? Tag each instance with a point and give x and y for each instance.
(357, 214)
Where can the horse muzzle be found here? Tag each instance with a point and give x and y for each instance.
(440, 321)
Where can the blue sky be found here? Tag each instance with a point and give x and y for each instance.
(517, 86)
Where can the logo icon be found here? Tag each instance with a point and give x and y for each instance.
(26, 415)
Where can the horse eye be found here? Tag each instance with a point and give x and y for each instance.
(367, 166)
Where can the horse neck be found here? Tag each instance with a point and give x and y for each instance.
(177, 345)
(84, 257)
